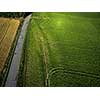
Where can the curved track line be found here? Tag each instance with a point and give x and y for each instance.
(55, 70)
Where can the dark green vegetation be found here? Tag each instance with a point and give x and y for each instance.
(14, 14)
(62, 49)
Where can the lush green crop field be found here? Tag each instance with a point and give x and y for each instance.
(63, 49)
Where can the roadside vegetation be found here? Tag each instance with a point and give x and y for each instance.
(14, 14)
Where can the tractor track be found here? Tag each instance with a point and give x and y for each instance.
(70, 71)
(45, 52)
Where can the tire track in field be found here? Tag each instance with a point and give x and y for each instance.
(54, 70)
(44, 51)
(70, 71)
(45, 58)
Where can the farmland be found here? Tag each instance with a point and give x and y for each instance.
(8, 30)
(62, 49)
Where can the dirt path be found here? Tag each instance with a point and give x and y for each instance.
(14, 68)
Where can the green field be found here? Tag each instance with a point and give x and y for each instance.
(62, 49)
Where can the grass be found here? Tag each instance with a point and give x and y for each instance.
(62, 49)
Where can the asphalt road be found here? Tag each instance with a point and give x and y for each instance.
(14, 68)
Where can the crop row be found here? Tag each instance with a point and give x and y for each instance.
(7, 42)
(4, 25)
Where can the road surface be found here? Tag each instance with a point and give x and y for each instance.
(14, 68)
